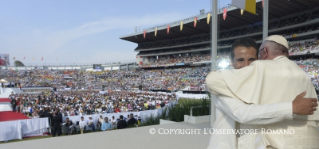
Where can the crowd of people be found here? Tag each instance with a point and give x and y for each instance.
(190, 40)
(86, 102)
(156, 79)
(174, 50)
(311, 67)
(187, 58)
(304, 47)
(58, 104)
(173, 79)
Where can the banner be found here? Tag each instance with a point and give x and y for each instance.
(195, 21)
(208, 18)
(155, 33)
(4, 60)
(168, 26)
(144, 34)
(247, 5)
(181, 26)
(225, 14)
(179, 64)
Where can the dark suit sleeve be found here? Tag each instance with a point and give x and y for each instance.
(61, 118)
(52, 122)
(125, 124)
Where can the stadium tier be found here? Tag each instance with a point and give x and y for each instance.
(174, 44)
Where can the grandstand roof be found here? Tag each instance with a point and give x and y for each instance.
(277, 9)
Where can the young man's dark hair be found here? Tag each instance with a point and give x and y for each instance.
(243, 42)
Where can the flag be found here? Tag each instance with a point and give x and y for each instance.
(14, 58)
(155, 31)
(144, 34)
(195, 21)
(23, 58)
(181, 26)
(168, 28)
(208, 18)
(42, 58)
(225, 13)
(33, 59)
(247, 5)
(241, 11)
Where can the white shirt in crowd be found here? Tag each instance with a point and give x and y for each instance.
(89, 121)
(82, 124)
(29, 109)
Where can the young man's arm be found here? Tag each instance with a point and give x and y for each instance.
(262, 114)
(254, 114)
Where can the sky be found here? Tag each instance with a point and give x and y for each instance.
(84, 31)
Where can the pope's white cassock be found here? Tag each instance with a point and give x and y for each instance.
(271, 86)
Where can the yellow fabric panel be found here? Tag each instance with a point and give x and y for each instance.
(250, 6)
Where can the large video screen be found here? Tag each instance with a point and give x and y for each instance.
(97, 66)
(4, 60)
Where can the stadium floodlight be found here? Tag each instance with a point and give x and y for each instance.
(223, 64)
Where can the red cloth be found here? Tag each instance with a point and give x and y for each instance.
(10, 116)
(117, 110)
(5, 100)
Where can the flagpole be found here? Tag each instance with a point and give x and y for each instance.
(265, 19)
(214, 33)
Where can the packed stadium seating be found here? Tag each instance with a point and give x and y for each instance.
(244, 31)
(305, 47)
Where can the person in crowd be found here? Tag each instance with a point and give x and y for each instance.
(146, 105)
(113, 121)
(100, 120)
(127, 118)
(21, 106)
(117, 110)
(29, 110)
(162, 104)
(56, 125)
(132, 121)
(106, 125)
(68, 126)
(41, 112)
(82, 125)
(121, 124)
(14, 105)
(91, 123)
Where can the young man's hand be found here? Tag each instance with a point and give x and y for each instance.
(304, 106)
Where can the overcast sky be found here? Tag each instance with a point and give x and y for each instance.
(83, 31)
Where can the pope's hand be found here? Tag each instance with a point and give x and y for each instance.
(304, 106)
